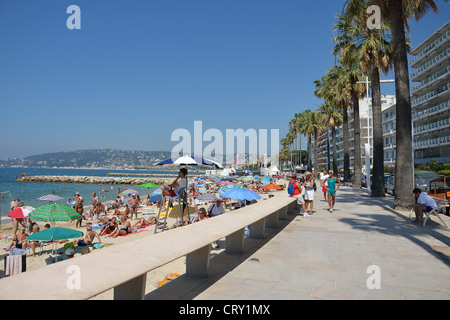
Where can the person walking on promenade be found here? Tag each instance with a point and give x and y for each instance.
(331, 189)
(323, 179)
(299, 191)
(309, 192)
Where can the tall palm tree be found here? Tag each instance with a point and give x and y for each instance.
(374, 50)
(332, 119)
(349, 79)
(398, 11)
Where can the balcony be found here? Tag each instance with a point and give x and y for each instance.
(438, 125)
(426, 98)
(435, 45)
(439, 108)
(422, 71)
(431, 80)
(432, 143)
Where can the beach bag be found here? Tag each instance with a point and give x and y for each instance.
(291, 189)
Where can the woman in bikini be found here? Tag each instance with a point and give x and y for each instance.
(124, 229)
(110, 227)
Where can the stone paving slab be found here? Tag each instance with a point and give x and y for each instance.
(327, 255)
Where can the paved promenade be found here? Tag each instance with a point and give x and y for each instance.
(327, 256)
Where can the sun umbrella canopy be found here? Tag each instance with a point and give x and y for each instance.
(241, 194)
(272, 187)
(227, 187)
(21, 212)
(155, 198)
(50, 197)
(149, 185)
(207, 197)
(174, 212)
(54, 234)
(54, 212)
(129, 191)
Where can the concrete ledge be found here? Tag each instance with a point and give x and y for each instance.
(124, 266)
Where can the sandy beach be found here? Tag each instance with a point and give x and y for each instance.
(40, 259)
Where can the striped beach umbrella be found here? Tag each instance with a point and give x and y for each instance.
(54, 212)
(50, 197)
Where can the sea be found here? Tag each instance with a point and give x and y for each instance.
(29, 192)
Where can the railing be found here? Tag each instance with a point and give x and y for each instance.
(434, 45)
(430, 95)
(430, 143)
(124, 267)
(432, 110)
(439, 58)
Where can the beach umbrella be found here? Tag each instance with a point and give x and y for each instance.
(55, 234)
(183, 161)
(129, 191)
(272, 187)
(227, 187)
(21, 212)
(174, 212)
(155, 198)
(266, 179)
(241, 194)
(246, 178)
(54, 212)
(149, 185)
(50, 197)
(207, 197)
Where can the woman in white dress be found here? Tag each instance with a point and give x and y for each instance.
(309, 193)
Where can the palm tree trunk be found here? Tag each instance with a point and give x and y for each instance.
(328, 149)
(333, 137)
(316, 164)
(357, 165)
(404, 165)
(377, 189)
(309, 167)
(345, 136)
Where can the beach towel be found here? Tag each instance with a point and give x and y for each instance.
(139, 231)
(170, 275)
(13, 265)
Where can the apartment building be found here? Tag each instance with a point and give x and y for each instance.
(366, 124)
(430, 101)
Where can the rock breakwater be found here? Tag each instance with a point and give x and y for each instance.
(97, 180)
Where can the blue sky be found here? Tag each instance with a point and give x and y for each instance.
(137, 70)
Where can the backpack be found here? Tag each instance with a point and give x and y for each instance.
(291, 189)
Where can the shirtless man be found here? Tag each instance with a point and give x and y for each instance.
(88, 239)
(78, 207)
(134, 203)
(94, 205)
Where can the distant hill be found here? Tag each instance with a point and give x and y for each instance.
(94, 158)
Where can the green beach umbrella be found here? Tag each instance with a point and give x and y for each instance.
(149, 185)
(55, 234)
(54, 212)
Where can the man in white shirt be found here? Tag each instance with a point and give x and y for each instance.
(216, 208)
(213, 211)
(425, 203)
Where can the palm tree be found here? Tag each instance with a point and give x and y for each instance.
(397, 11)
(349, 79)
(374, 50)
(332, 120)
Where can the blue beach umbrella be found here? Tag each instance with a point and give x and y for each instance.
(241, 194)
